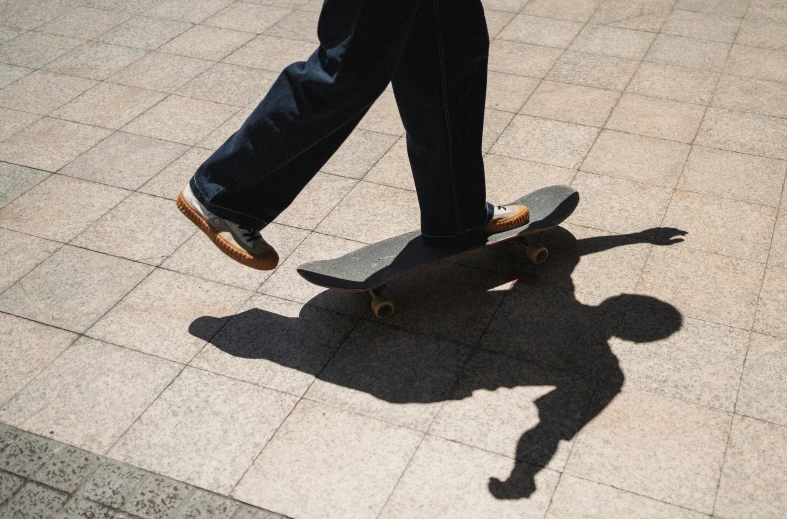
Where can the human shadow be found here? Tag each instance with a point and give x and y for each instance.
(563, 343)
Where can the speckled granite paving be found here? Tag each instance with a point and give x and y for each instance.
(641, 373)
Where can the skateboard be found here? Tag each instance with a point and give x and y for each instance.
(370, 268)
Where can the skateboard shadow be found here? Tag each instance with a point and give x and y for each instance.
(561, 342)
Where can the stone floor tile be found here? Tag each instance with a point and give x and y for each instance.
(777, 256)
(707, 220)
(95, 60)
(142, 228)
(446, 479)
(751, 95)
(612, 41)
(13, 121)
(124, 160)
(756, 32)
(27, 454)
(359, 153)
(555, 327)
(36, 49)
(7, 34)
(162, 72)
(68, 468)
(157, 498)
(593, 261)
(743, 132)
(112, 483)
(495, 123)
(200, 257)
(704, 285)
(654, 446)
(327, 462)
(287, 284)
(508, 92)
(209, 43)
(389, 374)
(496, 21)
(10, 73)
(619, 205)
(702, 26)
(109, 105)
(773, 304)
(638, 15)
(158, 317)
(230, 84)
(720, 7)
(7, 435)
(397, 212)
(772, 10)
(753, 482)
(523, 59)
(571, 103)
(316, 201)
(84, 23)
(507, 179)
(514, 409)
(763, 391)
(60, 207)
(42, 92)
(393, 169)
(298, 25)
(226, 129)
(8, 485)
(247, 17)
(634, 157)
(249, 512)
(549, 142)
(654, 117)
(593, 70)
(204, 505)
(512, 6)
(49, 144)
(577, 498)
(205, 429)
(576, 10)
(270, 53)
(171, 181)
(142, 32)
(757, 63)
(95, 402)
(19, 254)
(33, 500)
(17, 180)
(194, 11)
(748, 178)
(675, 83)
(687, 52)
(541, 31)
(431, 302)
(79, 508)
(73, 288)
(383, 116)
(27, 349)
(701, 362)
(274, 343)
(180, 119)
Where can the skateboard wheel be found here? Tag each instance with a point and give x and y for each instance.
(537, 253)
(382, 307)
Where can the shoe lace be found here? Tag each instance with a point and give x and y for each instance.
(250, 234)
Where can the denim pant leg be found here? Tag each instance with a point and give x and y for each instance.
(440, 88)
(308, 112)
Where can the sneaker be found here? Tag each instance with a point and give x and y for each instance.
(507, 217)
(243, 244)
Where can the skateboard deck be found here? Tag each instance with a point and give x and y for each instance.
(375, 265)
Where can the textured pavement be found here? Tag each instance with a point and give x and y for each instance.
(640, 373)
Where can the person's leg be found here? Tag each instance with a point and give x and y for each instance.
(309, 111)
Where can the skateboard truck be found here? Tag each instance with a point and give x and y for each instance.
(534, 251)
(381, 306)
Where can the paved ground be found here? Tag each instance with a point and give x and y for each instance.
(641, 373)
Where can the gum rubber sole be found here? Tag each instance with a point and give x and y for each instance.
(224, 246)
(509, 223)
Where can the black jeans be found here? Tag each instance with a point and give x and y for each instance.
(434, 53)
